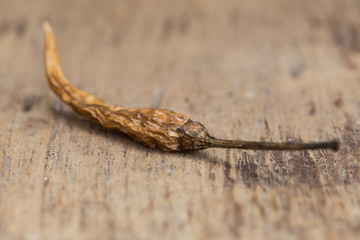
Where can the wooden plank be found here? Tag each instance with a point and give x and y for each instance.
(256, 70)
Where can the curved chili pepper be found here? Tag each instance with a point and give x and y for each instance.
(156, 128)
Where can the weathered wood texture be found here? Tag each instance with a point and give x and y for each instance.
(256, 70)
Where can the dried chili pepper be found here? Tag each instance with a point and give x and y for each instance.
(156, 128)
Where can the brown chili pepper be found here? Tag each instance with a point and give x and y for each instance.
(156, 128)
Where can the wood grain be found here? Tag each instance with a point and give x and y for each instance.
(271, 70)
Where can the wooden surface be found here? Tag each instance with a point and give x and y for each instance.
(271, 70)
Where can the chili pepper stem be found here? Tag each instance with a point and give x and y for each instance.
(222, 143)
(194, 136)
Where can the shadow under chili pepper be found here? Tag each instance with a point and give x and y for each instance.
(204, 156)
